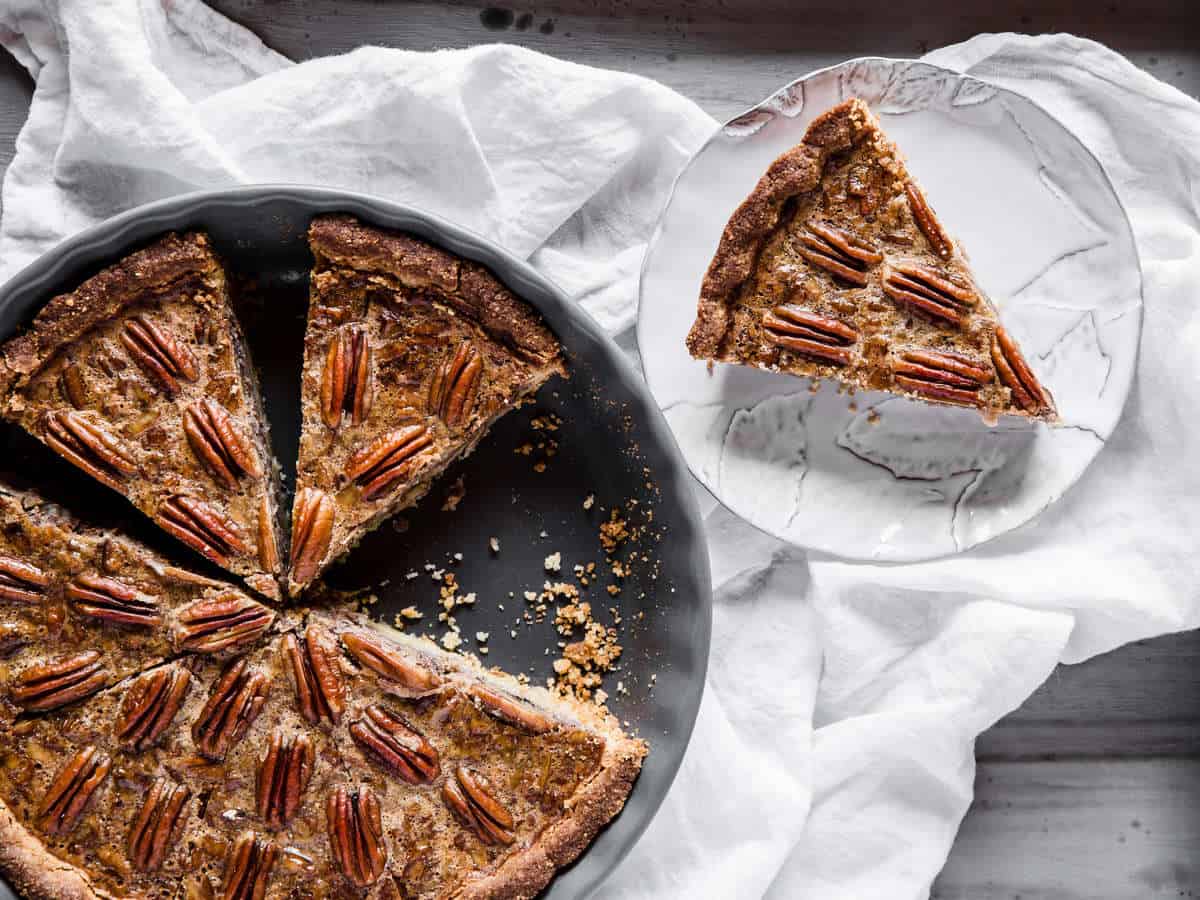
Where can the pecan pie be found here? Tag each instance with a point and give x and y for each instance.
(217, 748)
(836, 266)
(410, 355)
(141, 378)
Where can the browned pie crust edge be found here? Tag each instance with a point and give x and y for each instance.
(67, 317)
(795, 172)
(33, 870)
(466, 286)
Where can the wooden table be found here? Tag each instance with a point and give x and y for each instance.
(1092, 788)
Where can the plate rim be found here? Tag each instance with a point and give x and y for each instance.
(97, 245)
(766, 105)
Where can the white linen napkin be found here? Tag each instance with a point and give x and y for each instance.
(848, 778)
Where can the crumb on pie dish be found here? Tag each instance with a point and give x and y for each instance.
(836, 267)
(164, 733)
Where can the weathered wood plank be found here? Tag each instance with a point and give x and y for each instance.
(1078, 831)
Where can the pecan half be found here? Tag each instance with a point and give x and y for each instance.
(394, 742)
(1015, 374)
(923, 215)
(346, 379)
(838, 252)
(389, 662)
(316, 676)
(941, 375)
(268, 549)
(803, 331)
(203, 528)
(162, 357)
(452, 391)
(228, 620)
(150, 705)
(929, 291)
(72, 790)
(235, 702)
(75, 436)
(387, 459)
(356, 834)
(218, 443)
(64, 680)
(510, 709)
(104, 598)
(283, 777)
(249, 867)
(473, 802)
(313, 515)
(21, 581)
(154, 829)
(72, 385)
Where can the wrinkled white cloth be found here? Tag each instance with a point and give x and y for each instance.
(855, 769)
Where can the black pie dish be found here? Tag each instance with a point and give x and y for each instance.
(613, 443)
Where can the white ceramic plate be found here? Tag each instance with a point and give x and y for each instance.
(873, 477)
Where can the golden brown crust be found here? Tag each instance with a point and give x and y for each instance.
(470, 288)
(795, 172)
(33, 870)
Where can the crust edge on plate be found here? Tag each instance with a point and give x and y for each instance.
(33, 870)
(798, 170)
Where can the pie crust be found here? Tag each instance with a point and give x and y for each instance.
(836, 267)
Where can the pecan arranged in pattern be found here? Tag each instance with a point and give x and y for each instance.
(153, 831)
(452, 392)
(389, 662)
(104, 598)
(473, 801)
(268, 550)
(64, 680)
(929, 291)
(346, 380)
(162, 357)
(234, 704)
(21, 581)
(72, 790)
(838, 252)
(941, 375)
(249, 867)
(72, 386)
(283, 777)
(218, 443)
(510, 709)
(202, 528)
(387, 459)
(77, 438)
(151, 704)
(1015, 374)
(803, 331)
(939, 241)
(356, 834)
(225, 621)
(312, 529)
(396, 744)
(316, 676)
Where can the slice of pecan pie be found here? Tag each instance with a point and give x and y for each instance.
(81, 608)
(141, 378)
(410, 355)
(328, 759)
(836, 266)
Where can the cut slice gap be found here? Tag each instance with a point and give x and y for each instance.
(410, 355)
(836, 267)
(141, 378)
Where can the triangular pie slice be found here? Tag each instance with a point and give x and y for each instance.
(141, 378)
(835, 266)
(328, 758)
(82, 608)
(410, 355)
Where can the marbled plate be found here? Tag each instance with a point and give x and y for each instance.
(870, 476)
